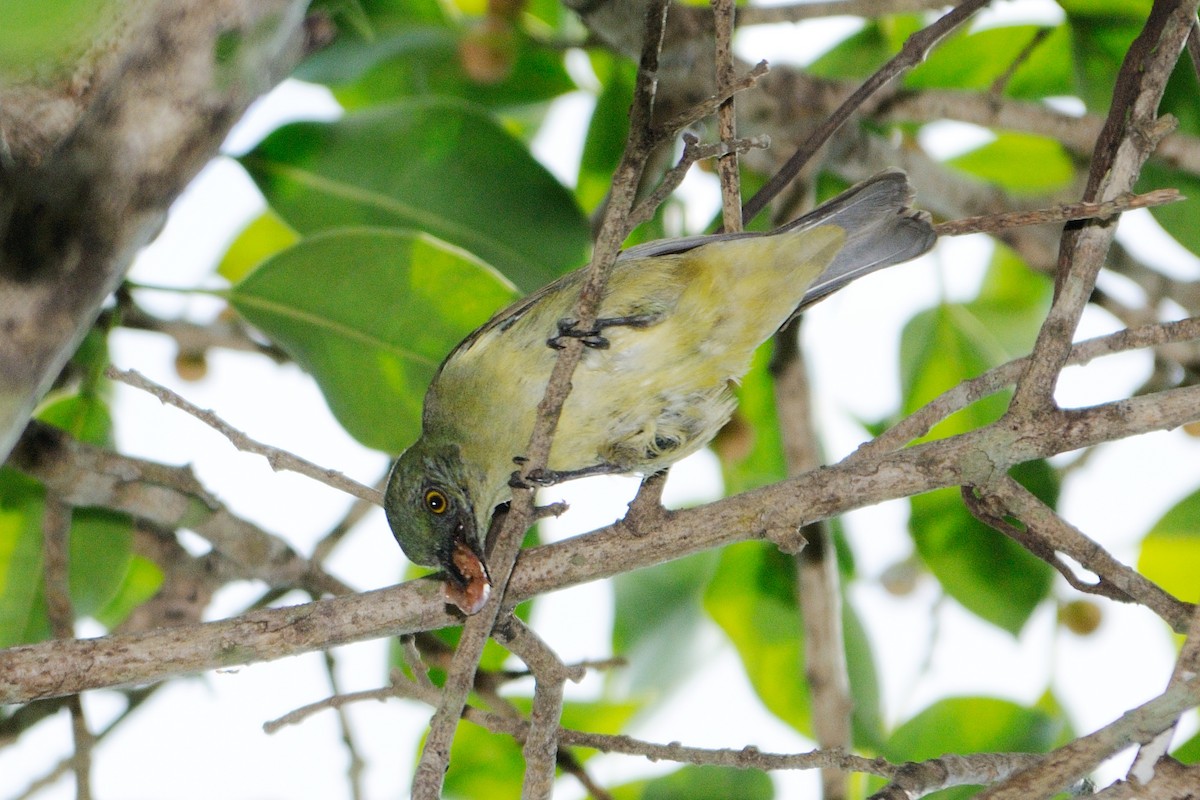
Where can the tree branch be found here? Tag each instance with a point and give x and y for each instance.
(167, 497)
(1129, 136)
(278, 458)
(64, 244)
(52, 669)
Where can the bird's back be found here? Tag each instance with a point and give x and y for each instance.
(661, 389)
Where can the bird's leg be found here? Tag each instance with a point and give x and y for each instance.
(549, 477)
(646, 508)
(591, 338)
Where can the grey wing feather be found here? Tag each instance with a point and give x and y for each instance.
(881, 230)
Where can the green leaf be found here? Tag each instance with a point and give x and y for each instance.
(43, 40)
(750, 445)
(1170, 554)
(371, 313)
(658, 612)
(710, 783)
(963, 725)
(483, 764)
(265, 235)
(141, 581)
(490, 63)
(1188, 752)
(862, 53)
(435, 165)
(84, 416)
(753, 598)
(1177, 219)
(976, 60)
(989, 574)
(939, 348)
(100, 554)
(1100, 40)
(20, 554)
(607, 130)
(1020, 163)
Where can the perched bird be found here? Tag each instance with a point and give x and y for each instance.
(678, 324)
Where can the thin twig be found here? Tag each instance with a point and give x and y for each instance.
(998, 85)
(991, 223)
(166, 496)
(693, 151)
(56, 532)
(707, 107)
(1130, 134)
(912, 53)
(727, 165)
(798, 12)
(541, 746)
(921, 421)
(278, 458)
(1046, 534)
(354, 770)
(818, 586)
(435, 755)
(1063, 767)
(355, 514)
(134, 700)
(1187, 666)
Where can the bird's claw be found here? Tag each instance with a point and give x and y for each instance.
(536, 479)
(567, 330)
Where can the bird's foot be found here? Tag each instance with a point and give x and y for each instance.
(567, 329)
(539, 478)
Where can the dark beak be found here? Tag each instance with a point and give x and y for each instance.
(467, 583)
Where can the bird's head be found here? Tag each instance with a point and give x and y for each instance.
(430, 507)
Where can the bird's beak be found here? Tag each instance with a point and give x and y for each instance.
(467, 583)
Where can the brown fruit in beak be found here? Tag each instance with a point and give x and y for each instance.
(468, 586)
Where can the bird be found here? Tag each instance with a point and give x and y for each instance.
(678, 323)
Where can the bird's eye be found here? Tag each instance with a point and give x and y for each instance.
(436, 502)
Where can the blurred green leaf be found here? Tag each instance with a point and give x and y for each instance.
(488, 63)
(708, 783)
(753, 598)
(657, 616)
(963, 725)
(607, 130)
(976, 60)
(939, 348)
(84, 416)
(862, 53)
(483, 764)
(100, 553)
(1020, 163)
(1188, 752)
(371, 313)
(750, 445)
(264, 236)
(438, 166)
(141, 581)
(1177, 219)
(20, 554)
(1170, 554)
(1100, 39)
(42, 40)
(989, 574)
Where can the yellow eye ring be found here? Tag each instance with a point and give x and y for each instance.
(436, 501)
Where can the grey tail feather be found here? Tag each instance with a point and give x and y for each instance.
(875, 239)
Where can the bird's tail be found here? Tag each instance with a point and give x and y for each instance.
(881, 230)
